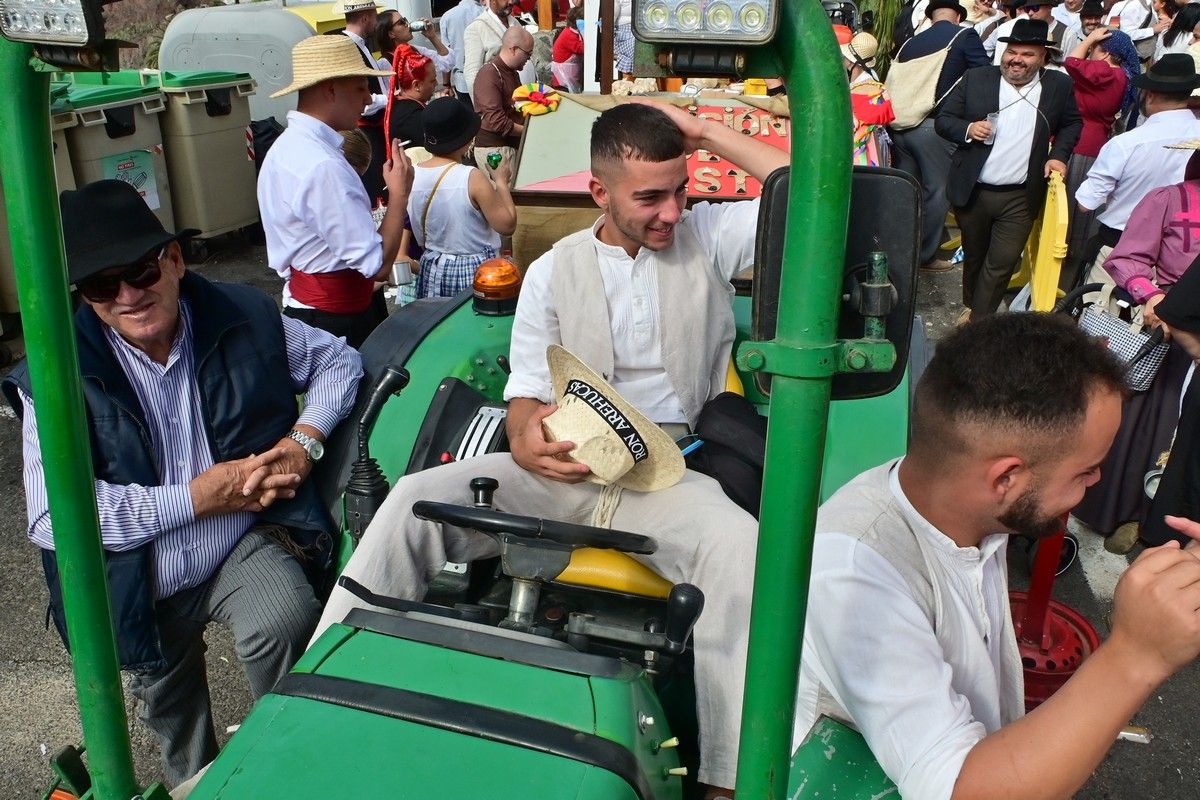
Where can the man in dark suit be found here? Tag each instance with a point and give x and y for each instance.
(1002, 120)
(919, 150)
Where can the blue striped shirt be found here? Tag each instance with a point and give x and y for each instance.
(188, 550)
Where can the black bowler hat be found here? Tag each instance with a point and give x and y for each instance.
(448, 125)
(1181, 307)
(1092, 8)
(1174, 72)
(107, 224)
(1031, 31)
(934, 5)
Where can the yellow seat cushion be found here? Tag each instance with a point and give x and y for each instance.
(614, 571)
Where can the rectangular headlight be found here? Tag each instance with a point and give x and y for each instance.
(713, 22)
(70, 23)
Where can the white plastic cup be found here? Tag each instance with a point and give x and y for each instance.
(993, 119)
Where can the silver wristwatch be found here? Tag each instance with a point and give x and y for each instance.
(312, 446)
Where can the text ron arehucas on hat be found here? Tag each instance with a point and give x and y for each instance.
(618, 443)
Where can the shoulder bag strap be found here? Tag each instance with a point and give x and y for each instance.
(429, 200)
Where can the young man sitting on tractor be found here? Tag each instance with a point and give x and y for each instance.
(912, 638)
(643, 297)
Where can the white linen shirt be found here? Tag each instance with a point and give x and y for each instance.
(725, 230)
(453, 24)
(1133, 163)
(1008, 163)
(314, 209)
(867, 641)
(1133, 13)
(378, 101)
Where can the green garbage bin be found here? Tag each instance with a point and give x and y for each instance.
(209, 157)
(117, 135)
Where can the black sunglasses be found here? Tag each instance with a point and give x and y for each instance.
(141, 274)
(402, 22)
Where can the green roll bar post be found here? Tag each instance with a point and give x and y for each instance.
(40, 265)
(802, 359)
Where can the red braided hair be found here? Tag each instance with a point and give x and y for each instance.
(408, 65)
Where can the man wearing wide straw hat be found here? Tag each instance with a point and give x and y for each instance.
(321, 238)
(185, 381)
(643, 301)
(1135, 162)
(1002, 121)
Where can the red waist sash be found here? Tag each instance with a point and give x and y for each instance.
(341, 292)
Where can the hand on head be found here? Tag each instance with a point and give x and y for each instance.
(691, 126)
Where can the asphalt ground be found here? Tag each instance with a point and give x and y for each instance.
(37, 701)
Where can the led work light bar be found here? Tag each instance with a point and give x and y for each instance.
(713, 22)
(68, 23)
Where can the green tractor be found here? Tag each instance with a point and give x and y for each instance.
(562, 669)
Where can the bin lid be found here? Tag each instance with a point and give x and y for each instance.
(199, 80)
(82, 97)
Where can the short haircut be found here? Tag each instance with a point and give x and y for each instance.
(1174, 97)
(1016, 377)
(357, 149)
(638, 132)
(355, 16)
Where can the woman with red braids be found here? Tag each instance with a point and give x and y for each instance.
(414, 82)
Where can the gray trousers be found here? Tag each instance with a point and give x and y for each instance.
(926, 156)
(995, 226)
(703, 538)
(262, 594)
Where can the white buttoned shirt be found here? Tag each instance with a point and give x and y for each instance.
(315, 211)
(921, 707)
(726, 232)
(1132, 164)
(1008, 163)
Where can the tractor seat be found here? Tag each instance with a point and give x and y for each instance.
(613, 571)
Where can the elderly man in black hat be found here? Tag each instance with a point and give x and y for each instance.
(924, 70)
(1134, 163)
(1002, 121)
(1091, 15)
(200, 456)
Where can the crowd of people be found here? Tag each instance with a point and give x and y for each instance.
(201, 451)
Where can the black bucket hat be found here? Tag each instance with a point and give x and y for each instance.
(1181, 307)
(1030, 31)
(107, 224)
(934, 5)
(1174, 72)
(448, 125)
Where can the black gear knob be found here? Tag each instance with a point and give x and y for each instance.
(482, 490)
(683, 611)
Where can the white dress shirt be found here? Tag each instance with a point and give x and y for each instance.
(315, 211)
(726, 231)
(1008, 163)
(453, 24)
(920, 707)
(378, 99)
(1133, 163)
(1133, 13)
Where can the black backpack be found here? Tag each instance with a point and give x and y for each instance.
(735, 445)
(902, 28)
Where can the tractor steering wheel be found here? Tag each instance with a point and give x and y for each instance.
(532, 530)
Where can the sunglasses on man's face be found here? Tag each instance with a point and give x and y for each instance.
(141, 274)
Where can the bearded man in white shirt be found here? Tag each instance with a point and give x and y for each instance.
(912, 639)
(483, 38)
(643, 297)
(1002, 121)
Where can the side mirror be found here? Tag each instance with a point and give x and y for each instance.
(884, 217)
